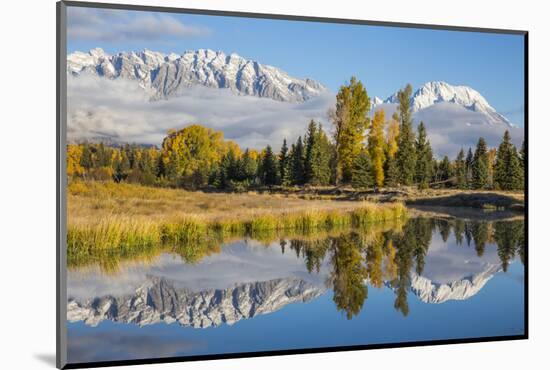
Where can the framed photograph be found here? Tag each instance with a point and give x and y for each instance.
(236, 184)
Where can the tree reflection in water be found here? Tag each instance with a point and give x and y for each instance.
(388, 257)
(381, 255)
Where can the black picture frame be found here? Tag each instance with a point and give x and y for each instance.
(61, 186)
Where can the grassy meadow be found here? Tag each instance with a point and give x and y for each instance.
(105, 216)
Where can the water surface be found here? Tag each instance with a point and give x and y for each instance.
(427, 279)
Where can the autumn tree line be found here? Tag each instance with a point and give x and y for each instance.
(364, 152)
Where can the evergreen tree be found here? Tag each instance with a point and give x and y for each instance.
(269, 168)
(160, 167)
(480, 175)
(406, 154)
(445, 171)
(522, 161)
(319, 167)
(491, 156)
(86, 159)
(508, 169)
(309, 141)
(460, 170)
(469, 168)
(515, 170)
(376, 148)
(228, 169)
(284, 165)
(424, 162)
(249, 167)
(362, 177)
(350, 122)
(297, 162)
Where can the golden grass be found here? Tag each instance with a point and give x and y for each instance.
(114, 261)
(103, 216)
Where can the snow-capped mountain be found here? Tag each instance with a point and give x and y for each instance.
(436, 92)
(376, 101)
(168, 75)
(160, 300)
(430, 291)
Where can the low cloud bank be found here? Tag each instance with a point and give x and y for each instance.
(121, 111)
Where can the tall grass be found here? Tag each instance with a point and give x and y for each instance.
(125, 232)
(114, 260)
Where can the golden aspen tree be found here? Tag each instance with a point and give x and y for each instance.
(376, 146)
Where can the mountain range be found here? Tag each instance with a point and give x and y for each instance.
(159, 299)
(252, 103)
(168, 75)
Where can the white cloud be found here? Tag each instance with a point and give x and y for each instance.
(452, 127)
(121, 110)
(106, 25)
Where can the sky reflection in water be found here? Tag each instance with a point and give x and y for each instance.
(429, 279)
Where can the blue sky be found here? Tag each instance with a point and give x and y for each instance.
(384, 58)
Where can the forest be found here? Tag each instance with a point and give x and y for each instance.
(360, 151)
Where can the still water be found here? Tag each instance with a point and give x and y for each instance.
(426, 279)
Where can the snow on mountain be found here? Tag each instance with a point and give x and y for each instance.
(430, 291)
(436, 92)
(169, 75)
(376, 101)
(160, 300)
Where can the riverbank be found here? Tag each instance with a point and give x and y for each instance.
(106, 215)
(483, 199)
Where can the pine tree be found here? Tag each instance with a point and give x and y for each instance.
(391, 169)
(508, 168)
(515, 171)
(350, 122)
(469, 168)
(297, 162)
(445, 171)
(522, 160)
(424, 162)
(249, 167)
(406, 154)
(160, 167)
(460, 170)
(269, 168)
(480, 175)
(284, 165)
(320, 159)
(86, 159)
(228, 169)
(309, 141)
(362, 177)
(376, 147)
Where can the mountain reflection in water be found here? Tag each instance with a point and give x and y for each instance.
(437, 260)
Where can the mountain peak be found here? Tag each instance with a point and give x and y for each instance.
(435, 92)
(97, 52)
(169, 75)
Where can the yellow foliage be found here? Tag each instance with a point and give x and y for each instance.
(393, 134)
(74, 153)
(231, 145)
(376, 146)
(195, 147)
